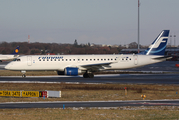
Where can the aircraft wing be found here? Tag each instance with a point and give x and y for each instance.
(96, 67)
(99, 66)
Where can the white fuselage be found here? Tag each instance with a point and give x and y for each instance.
(60, 62)
(8, 57)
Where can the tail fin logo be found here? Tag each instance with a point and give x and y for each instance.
(161, 40)
(16, 50)
(158, 41)
(157, 44)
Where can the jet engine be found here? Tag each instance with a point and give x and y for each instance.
(70, 71)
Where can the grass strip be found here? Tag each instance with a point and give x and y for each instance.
(93, 92)
(127, 113)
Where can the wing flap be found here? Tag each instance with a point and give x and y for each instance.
(96, 67)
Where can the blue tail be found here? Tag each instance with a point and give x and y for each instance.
(159, 44)
(16, 51)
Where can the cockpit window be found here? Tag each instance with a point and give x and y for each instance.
(18, 59)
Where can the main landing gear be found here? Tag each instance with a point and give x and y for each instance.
(88, 75)
(23, 74)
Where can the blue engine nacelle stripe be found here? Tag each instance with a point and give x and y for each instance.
(71, 71)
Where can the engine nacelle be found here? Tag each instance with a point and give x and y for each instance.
(72, 71)
(69, 71)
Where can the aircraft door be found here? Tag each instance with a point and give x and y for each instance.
(135, 60)
(29, 60)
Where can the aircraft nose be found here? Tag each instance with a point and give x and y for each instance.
(8, 66)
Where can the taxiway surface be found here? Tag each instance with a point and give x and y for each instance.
(115, 78)
(88, 104)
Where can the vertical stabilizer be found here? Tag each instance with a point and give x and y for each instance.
(159, 44)
(16, 51)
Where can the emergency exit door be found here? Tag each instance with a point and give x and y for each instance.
(135, 60)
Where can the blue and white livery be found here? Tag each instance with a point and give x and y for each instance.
(11, 56)
(74, 65)
(159, 44)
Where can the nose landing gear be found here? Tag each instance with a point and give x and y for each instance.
(23, 74)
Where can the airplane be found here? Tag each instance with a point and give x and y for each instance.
(73, 65)
(10, 56)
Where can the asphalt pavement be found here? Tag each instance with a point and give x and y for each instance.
(76, 104)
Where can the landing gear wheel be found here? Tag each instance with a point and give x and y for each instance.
(85, 75)
(23, 75)
(88, 75)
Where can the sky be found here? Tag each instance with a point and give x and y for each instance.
(88, 21)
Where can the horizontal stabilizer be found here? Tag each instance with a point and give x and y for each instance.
(162, 58)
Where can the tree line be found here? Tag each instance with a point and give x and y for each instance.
(58, 48)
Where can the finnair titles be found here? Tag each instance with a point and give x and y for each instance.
(50, 58)
(87, 65)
